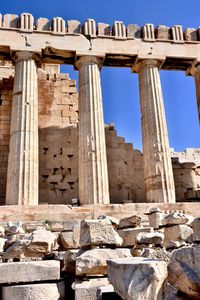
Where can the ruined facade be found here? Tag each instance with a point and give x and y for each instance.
(74, 155)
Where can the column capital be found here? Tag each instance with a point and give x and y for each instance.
(88, 59)
(139, 64)
(26, 55)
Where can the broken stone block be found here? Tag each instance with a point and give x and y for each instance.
(10, 240)
(70, 261)
(2, 231)
(129, 235)
(92, 262)
(69, 240)
(15, 228)
(155, 216)
(113, 220)
(98, 232)
(155, 238)
(157, 253)
(133, 31)
(29, 271)
(88, 289)
(69, 225)
(138, 278)
(184, 271)
(175, 218)
(2, 244)
(41, 291)
(177, 233)
(196, 230)
(130, 222)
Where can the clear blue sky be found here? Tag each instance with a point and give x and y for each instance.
(120, 87)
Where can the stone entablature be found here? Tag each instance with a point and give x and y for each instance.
(189, 155)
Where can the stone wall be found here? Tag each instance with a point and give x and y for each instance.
(58, 148)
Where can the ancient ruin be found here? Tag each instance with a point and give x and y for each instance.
(73, 193)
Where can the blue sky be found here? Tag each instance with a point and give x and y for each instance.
(120, 86)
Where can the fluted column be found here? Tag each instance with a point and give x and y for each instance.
(158, 174)
(22, 176)
(93, 173)
(197, 83)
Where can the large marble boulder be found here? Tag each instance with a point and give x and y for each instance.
(184, 271)
(138, 278)
(98, 232)
(94, 261)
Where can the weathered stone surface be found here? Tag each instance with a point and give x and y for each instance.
(184, 271)
(177, 233)
(98, 232)
(128, 222)
(157, 253)
(150, 238)
(2, 231)
(129, 235)
(88, 289)
(94, 261)
(69, 225)
(196, 229)
(2, 244)
(138, 278)
(42, 291)
(29, 271)
(155, 216)
(69, 240)
(175, 218)
(113, 220)
(70, 261)
(14, 228)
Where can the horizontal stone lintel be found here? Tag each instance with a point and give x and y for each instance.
(63, 49)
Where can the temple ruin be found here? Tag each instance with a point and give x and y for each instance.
(59, 162)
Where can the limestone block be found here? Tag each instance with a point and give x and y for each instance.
(157, 253)
(73, 26)
(70, 261)
(148, 32)
(132, 221)
(190, 34)
(70, 239)
(155, 219)
(177, 33)
(98, 232)
(43, 24)
(133, 31)
(10, 21)
(58, 26)
(88, 289)
(138, 278)
(29, 271)
(196, 229)
(14, 228)
(150, 238)
(119, 30)
(177, 233)
(175, 218)
(129, 235)
(103, 29)
(89, 27)
(41, 291)
(2, 244)
(184, 271)
(93, 262)
(2, 231)
(162, 32)
(114, 221)
(1, 20)
(26, 22)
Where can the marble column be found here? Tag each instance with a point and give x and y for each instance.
(197, 83)
(93, 172)
(22, 176)
(158, 173)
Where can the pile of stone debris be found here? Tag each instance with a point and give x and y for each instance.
(133, 258)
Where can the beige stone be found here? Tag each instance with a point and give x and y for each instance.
(150, 238)
(29, 271)
(175, 218)
(70, 261)
(177, 233)
(98, 232)
(196, 229)
(41, 291)
(129, 235)
(88, 289)
(138, 278)
(132, 221)
(93, 262)
(184, 271)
